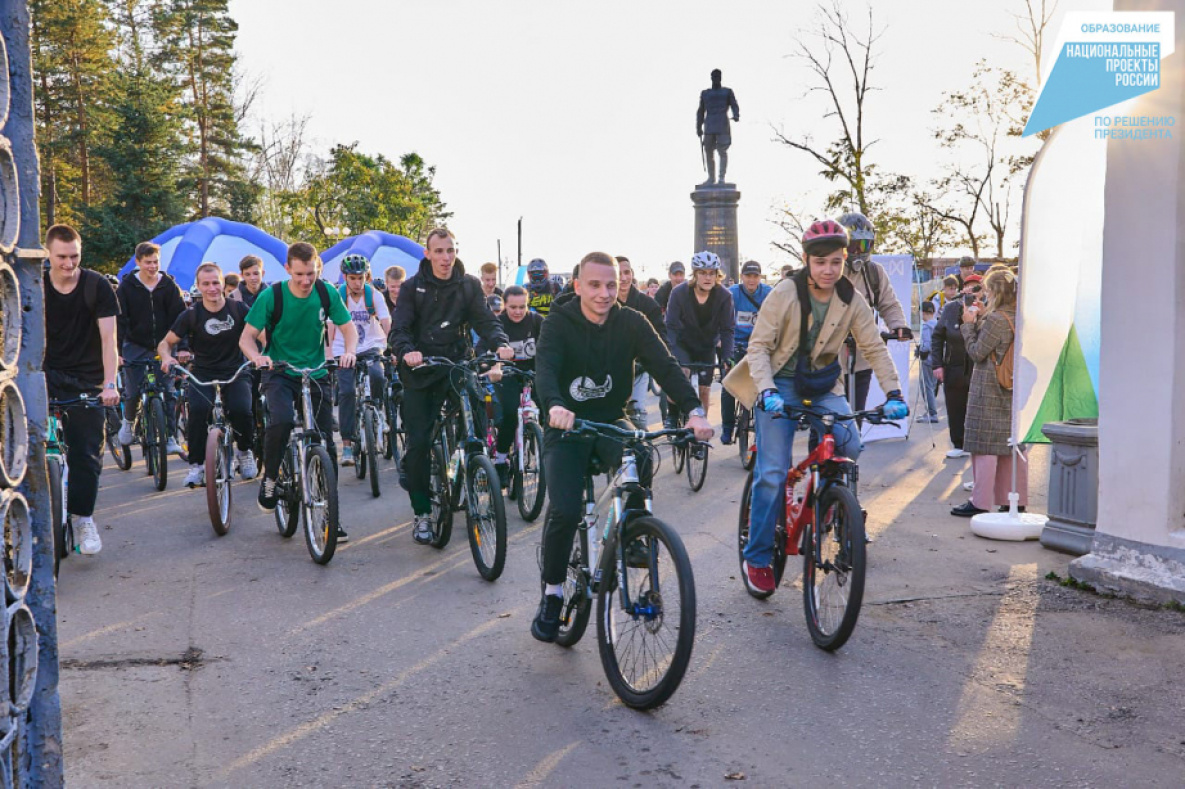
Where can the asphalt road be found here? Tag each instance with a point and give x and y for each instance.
(194, 660)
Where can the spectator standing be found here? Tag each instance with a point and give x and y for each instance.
(952, 366)
(929, 384)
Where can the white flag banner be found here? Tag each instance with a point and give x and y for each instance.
(900, 271)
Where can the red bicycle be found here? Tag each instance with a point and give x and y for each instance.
(821, 520)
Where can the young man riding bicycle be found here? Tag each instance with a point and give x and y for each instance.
(436, 309)
(791, 360)
(585, 369)
(372, 322)
(747, 297)
(212, 328)
(700, 320)
(293, 314)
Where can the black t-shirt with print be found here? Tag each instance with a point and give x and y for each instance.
(523, 336)
(73, 345)
(213, 337)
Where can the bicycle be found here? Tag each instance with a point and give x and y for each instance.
(58, 472)
(151, 426)
(370, 429)
(636, 611)
(824, 524)
(220, 456)
(527, 484)
(464, 467)
(746, 437)
(180, 416)
(395, 442)
(113, 415)
(306, 487)
(695, 454)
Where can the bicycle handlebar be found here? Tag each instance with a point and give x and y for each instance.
(328, 364)
(231, 380)
(82, 399)
(589, 428)
(874, 416)
(471, 365)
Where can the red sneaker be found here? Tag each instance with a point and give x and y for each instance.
(759, 580)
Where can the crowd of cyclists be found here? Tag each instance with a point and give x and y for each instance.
(596, 346)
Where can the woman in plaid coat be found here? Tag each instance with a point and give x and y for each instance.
(988, 333)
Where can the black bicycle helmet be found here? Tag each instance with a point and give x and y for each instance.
(537, 271)
(355, 264)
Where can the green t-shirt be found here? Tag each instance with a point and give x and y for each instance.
(299, 337)
(818, 313)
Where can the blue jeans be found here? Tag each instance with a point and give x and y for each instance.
(929, 387)
(775, 441)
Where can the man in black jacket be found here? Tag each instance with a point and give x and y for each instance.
(149, 303)
(952, 366)
(678, 274)
(585, 369)
(436, 309)
(628, 295)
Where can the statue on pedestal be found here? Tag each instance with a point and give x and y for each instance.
(712, 127)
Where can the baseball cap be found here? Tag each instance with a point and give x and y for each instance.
(676, 268)
(752, 267)
(972, 278)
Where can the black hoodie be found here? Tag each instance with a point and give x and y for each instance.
(588, 368)
(145, 316)
(434, 317)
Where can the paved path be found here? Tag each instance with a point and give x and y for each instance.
(194, 660)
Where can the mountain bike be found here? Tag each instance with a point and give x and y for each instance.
(113, 415)
(180, 415)
(306, 487)
(746, 437)
(527, 484)
(370, 430)
(638, 570)
(821, 521)
(461, 465)
(220, 456)
(151, 427)
(396, 440)
(58, 472)
(693, 455)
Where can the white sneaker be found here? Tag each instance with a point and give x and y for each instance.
(968, 486)
(173, 448)
(88, 537)
(957, 453)
(247, 467)
(127, 436)
(195, 477)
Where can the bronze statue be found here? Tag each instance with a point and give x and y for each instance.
(711, 126)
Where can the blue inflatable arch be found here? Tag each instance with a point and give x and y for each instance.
(215, 240)
(382, 249)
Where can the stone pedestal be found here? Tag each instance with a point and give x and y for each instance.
(716, 224)
(1073, 485)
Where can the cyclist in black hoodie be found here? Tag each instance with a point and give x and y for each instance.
(584, 368)
(436, 309)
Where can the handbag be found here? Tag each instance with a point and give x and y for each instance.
(1004, 365)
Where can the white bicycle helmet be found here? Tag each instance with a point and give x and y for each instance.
(705, 260)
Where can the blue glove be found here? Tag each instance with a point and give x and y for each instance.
(772, 402)
(895, 407)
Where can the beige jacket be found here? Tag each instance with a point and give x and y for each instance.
(891, 311)
(775, 340)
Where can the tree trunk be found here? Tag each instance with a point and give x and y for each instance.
(196, 74)
(84, 167)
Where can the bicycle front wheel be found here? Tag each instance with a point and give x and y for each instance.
(697, 465)
(440, 491)
(834, 562)
(530, 486)
(577, 600)
(158, 442)
(679, 455)
(646, 644)
(779, 560)
(486, 514)
(370, 435)
(320, 509)
(182, 432)
(745, 446)
(57, 498)
(287, 511)
(119, 453)
(218, 478)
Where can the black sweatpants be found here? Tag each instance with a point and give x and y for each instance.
(236, 404)
(565, 461)
(421, 410)
(283, 393)
(957, 389)
(85, 430)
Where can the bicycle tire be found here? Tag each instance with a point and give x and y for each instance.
(359, 453)
(779, 561)
(159, 442)
(442, 510)
(119, 453)
(321, 482)
(370, 437)
(142, 425)
(667, 681)
(679, 456)
(492, 526)
(61, 549)
(577, 601)
(697, 467)
(457, 485)
(745, 448)
(219, 468)
(391, 448)
(532, 461)
(287, 513)
(181, 433)
(828, 630)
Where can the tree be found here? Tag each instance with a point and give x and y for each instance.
(844, 161)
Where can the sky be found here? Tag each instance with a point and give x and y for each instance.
(580, 118)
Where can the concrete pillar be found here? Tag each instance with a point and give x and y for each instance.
(716, 224)
(1139, 545)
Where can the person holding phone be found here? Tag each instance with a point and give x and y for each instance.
(952, 366)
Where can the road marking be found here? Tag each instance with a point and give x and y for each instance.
(102, 631)
(539, 774)
(320, 722)
(376, 535)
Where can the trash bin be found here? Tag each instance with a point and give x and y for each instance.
(1073, 485)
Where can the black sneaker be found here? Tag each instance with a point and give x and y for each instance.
(503, 470)
(726, 435)
(342, 537)
(421, 530)
(546, 625)
(267, 495)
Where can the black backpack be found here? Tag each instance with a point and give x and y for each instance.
(278, 304)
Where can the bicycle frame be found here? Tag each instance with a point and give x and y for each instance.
(800, 511)
(527, 412)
